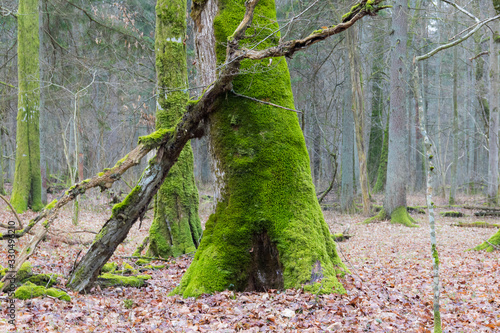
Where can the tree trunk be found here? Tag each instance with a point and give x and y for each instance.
(397, 160)
(347, 163)
(382, 167)
(455, 133)
(493, 128)
(376, 128)
(268, 230)
(176, 228)
(358, 110)
(27, 180)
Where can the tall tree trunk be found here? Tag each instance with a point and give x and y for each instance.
(358, 110)
(376, 128)
(176, 227)
(27, 190)
(494, 105)
(397, 160)
(454, 165)
(268, 230)
(43, 113)
(382, 168)
(347, 163)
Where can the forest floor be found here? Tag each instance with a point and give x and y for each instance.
(388, 288)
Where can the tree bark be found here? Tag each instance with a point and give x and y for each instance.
(493, 123)
(397, 160)
(27, 179)
(176, 227)
(268, 230)
(455, 133)
(347, 204)
(358, 110)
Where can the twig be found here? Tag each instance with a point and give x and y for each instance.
(263, 102)
(458, 41)
(13, 211)
(479, 55)
(462, 10)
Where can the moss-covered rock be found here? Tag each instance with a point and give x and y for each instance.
(127, 269)
(25, 271)
(109, 280)
(31, 290)
(57, 293)
(45, 280)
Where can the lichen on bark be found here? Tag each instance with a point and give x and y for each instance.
(268, 230)
(27, 190)
(176, 228)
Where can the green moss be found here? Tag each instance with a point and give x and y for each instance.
(109, 267)
(326, 286)
(25, 271)
(108, 280)
(154, 267)
(127, 269)
(128, 303)
(268, 188)
(495, 240)
(3, 271)
(382, 167)
(176, 228)
(120, 162)
(400, 216)
(51, 204)
(120, 207)
(452, 213)
(153, 140)
(142, 262)
(45, 280)
(62, 295)
(435, 254)
(379, 217)
(27, 188)
(29, 290)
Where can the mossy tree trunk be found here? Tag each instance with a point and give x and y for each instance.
(376, 128)
(27, 190)
(268, 230)
(382, 167)
(397, 160)
(176, 227)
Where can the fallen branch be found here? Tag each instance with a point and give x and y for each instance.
(476, 225)
(3, 225)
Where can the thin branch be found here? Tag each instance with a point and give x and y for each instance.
(8, 85)
(463, 10)
(263, 102)
(458, 41)
(288, 48)
(479, 55)
(91, 18)
(13, 211)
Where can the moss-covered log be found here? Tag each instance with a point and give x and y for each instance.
(268, 230)
(27, 190)
(176, 227)
(491, 244)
